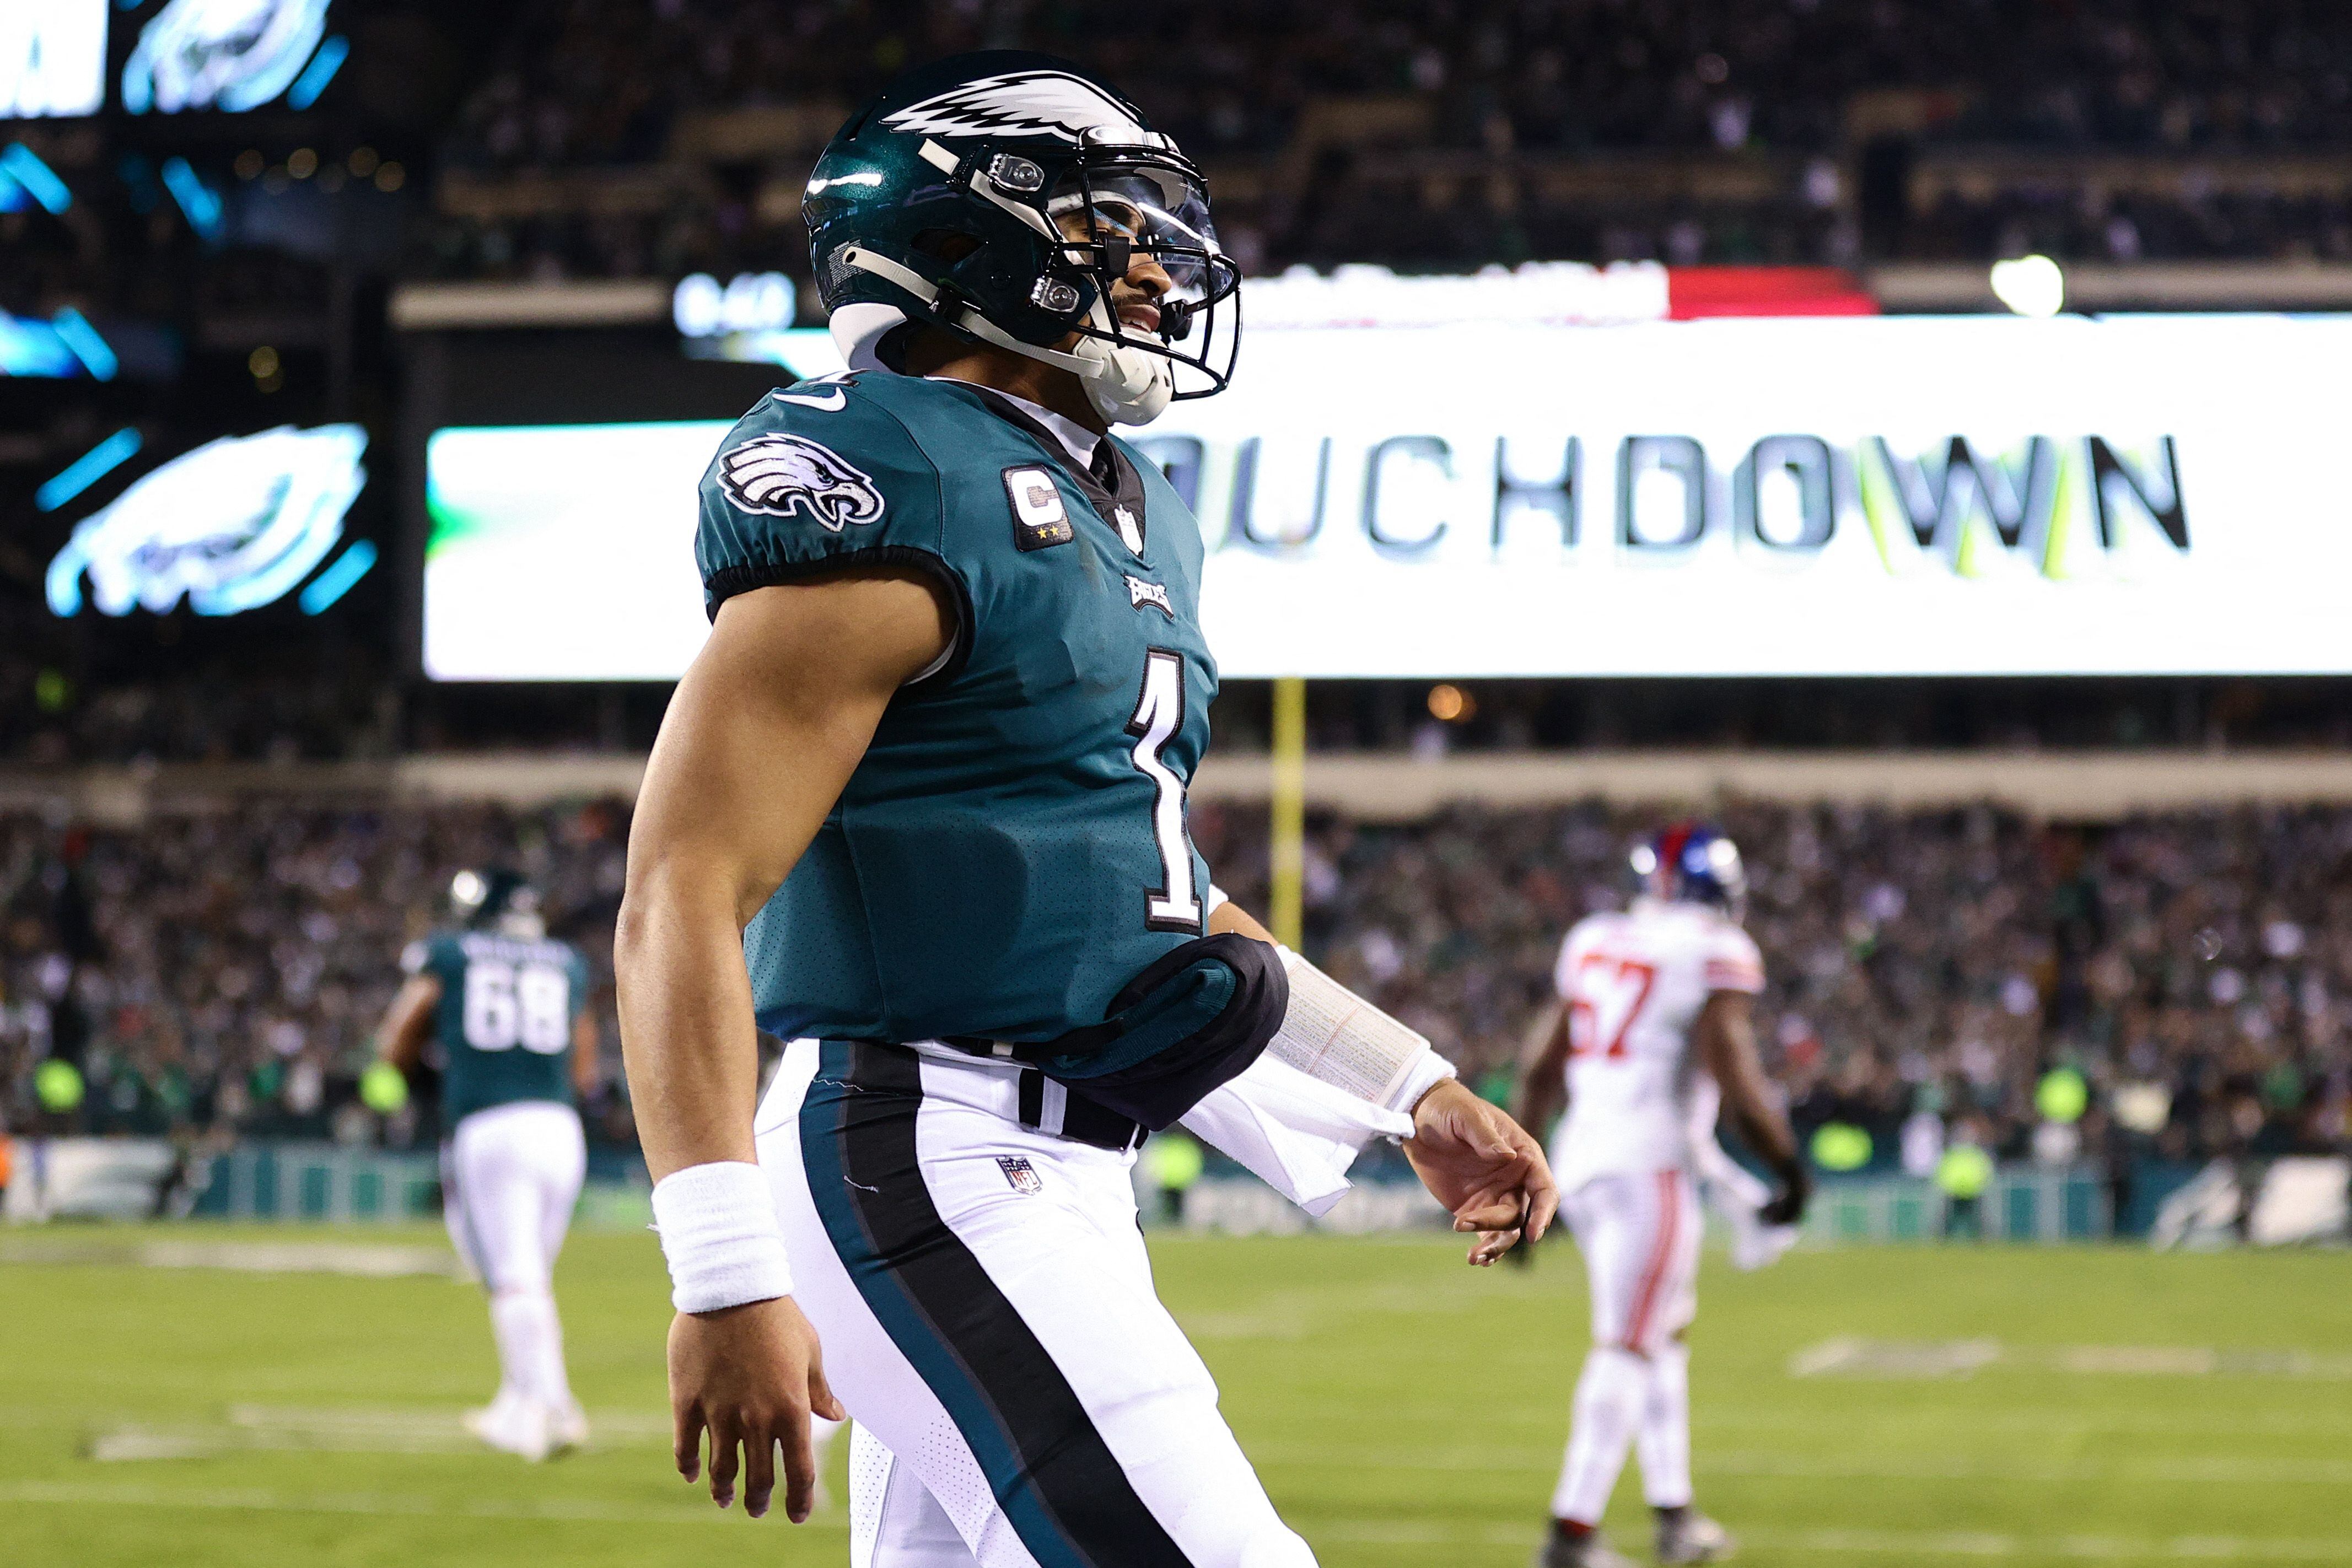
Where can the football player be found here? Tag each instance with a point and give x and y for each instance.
(1653, 1031)
(919, 805)
(508, 1010)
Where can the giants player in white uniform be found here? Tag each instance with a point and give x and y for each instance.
(1653, 1031)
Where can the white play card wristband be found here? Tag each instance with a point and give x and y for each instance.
(718, 1233)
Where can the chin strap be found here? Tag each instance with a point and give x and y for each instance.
(1126, 385)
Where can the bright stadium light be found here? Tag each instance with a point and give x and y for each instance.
(2030, 286)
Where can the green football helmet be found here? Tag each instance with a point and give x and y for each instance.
(496, 899)
(1001, 196)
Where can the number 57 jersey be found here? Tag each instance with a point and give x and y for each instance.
(1634, 984)
(1012, 849)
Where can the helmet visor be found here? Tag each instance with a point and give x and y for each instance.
(1140, 231)
(1160, 212)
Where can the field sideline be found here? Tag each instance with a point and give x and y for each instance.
(1960, 1406)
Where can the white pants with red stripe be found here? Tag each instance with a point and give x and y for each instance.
(1639, 1232)
(1639, 1235)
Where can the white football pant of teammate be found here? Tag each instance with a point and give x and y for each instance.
(510, 1177)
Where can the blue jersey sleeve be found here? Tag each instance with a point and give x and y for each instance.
(821, 479)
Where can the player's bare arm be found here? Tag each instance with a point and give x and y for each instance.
(587, 1071)
(1542, 1091)
(1725, 1036)
(1474, 1158)
(762, 732)
(400, 1038)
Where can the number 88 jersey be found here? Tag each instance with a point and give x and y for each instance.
(1634, 984)
(505, 1019)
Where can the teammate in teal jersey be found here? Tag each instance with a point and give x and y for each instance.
(918, 807)
(504, 1010)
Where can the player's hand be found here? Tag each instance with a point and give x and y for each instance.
(1787, 1205)
(1483, 1167)
(748, 1375)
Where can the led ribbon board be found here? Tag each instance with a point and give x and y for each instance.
(1860, 495)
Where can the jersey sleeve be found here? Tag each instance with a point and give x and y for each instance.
(817, 480)
(438, 956)
(1731, 962)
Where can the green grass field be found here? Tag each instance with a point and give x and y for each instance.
(1403, 1409)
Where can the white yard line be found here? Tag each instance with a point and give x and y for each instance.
(375, 1505)
(1370, 1532)
(1895, 1543)
(262, 1428)
(1908, 1359)
(370, 1260)
(2215, 1469)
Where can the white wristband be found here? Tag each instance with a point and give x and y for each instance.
(1335, 1036)
(719, 1232)
(1428, 1071)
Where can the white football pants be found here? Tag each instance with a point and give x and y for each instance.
(986, 1310)
(1640, 1237)
(509, 1178)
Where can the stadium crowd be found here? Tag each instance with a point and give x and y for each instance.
(601, 81)
(1479, 96)
(222, 970)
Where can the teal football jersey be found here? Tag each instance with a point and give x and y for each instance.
(505, 1017)
(1012, 852)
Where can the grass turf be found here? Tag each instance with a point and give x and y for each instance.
(1401, 1408)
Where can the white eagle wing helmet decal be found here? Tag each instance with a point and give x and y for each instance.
(778, 474)
(1026, 103)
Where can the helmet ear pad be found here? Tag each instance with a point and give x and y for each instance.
(1124, 386)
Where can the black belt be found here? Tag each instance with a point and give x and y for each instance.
(1048, 1106)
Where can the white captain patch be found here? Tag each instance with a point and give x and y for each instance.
(1140, 594)
(1024, 103)
(778, 474)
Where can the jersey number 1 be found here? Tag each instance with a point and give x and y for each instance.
(1175, 903)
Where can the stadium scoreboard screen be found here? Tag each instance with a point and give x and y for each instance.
(1804, 497)
(70, 58)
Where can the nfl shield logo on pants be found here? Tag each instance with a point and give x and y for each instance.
(1018, 1171)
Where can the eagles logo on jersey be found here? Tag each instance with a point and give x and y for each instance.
(777, 474)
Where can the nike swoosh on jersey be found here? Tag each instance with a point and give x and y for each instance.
(829, 405)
